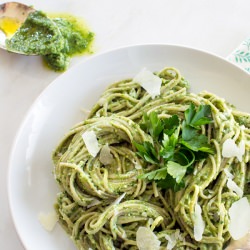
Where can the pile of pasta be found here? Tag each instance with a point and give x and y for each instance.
(103, 203)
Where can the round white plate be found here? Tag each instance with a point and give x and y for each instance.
(32, 188)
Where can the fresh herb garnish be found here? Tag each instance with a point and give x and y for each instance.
(176, 145)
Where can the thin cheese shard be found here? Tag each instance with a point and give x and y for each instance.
(199, 225)
(105, 156)
(146, 239)
(150, 82)
(119, 199)
(239, 213)
(230, 149)
(90, 140)
(234, 187)
(173, 238)
(48, 220)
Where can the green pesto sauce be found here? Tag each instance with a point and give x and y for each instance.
(56, 39)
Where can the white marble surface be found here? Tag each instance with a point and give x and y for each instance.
(212, 25)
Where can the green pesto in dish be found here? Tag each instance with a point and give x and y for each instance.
(56, 39)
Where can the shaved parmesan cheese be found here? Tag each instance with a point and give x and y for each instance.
(230, 149)
(150, 82)
(199, 225)
(234, 187)
(239, 213)
(48, 220)
(105, 156)
(172, 240)
(146, 239)
(119, 199)
(90, 140)
(228, 174)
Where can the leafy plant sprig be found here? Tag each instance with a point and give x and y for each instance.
(176, 145)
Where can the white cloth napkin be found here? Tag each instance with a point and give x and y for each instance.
(241, 55)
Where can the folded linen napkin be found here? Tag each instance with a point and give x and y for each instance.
(241, 55)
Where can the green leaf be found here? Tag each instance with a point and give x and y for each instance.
(167, 152)
(169, 143)
(197, 118)
(158, 174)
(176, 170)
(147, 152)
(170, 124)
(198, 143)
(202, 116)
(188, 132)
(176, 147)
(172, 139)
(189, 113)
(152, 124)
(170, 183)
(184, 157)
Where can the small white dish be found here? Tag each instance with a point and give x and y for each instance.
(31, 186)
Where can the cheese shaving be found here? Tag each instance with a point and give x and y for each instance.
(150, 82)
(146, 239)
(228, 174)
(119, 199)
(199, 225)
(173, 238)
(234, 187)
(90, 140)
(239, 213)
(230, 149)
(105, 156)
(48, 220)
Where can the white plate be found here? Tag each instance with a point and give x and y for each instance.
(32, 188)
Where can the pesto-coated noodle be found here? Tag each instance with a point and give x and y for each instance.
(102, 204)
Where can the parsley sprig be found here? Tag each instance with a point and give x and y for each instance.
(176, 145)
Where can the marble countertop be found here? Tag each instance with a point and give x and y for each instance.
(215, 26)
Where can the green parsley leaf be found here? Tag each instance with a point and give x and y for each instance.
(176, 147)
(198, 143)
(169, 143)
(147, 152)
(184, 156)
(176, 170)
(171, 124)
(152, 124)
(198, 118)
(202, 116)
(167, 152)
(170, 183)
(189, 113)
(188, 132)
(157, 174)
